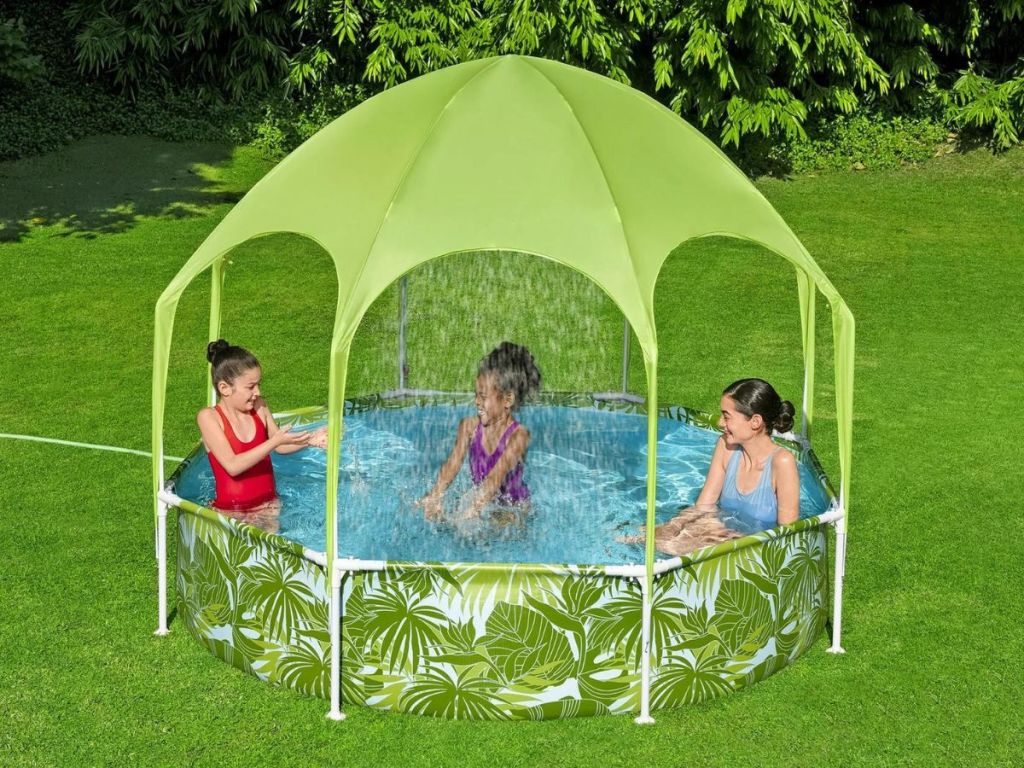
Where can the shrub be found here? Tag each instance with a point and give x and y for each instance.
(862, 140)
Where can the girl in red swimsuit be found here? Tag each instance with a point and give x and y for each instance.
(239, 434)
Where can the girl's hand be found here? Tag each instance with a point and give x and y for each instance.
(474, 510)
(285, 437)
(431, 506)
(318, 438)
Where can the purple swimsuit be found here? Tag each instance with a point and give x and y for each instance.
(513, 490)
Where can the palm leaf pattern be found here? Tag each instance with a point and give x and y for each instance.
(442, 694)
(306, 667)
(526, 649)
(404, 625)
(689, 679)
(277, 592)
(494, 643)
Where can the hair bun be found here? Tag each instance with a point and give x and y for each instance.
(214, 348)
(784, 421)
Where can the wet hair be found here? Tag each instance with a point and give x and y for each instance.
(514, 370)
(228, 362)
(758, 396)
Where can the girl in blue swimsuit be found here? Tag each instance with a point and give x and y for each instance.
(751, 478)
(495, 441)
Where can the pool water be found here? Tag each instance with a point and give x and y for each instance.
(586, 470)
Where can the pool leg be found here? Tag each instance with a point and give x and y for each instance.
(161, 565)
(335, 619)
(837, 598)
(644, 717)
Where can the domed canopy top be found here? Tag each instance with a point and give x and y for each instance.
(510, 152)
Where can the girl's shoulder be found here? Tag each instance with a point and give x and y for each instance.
(467, 427)
(783, 458)
(208, 415)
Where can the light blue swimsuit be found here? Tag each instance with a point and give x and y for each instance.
(757, 510)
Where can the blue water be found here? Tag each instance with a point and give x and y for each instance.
(586, 470)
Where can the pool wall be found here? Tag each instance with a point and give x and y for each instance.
(502, 641)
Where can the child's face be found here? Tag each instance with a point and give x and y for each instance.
(491, 404)
(243, 392)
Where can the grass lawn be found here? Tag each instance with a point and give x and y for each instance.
(929, 260)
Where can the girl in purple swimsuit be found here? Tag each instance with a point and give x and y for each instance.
(495, 441)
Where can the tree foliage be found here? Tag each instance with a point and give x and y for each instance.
(17, 62)
(740, 68)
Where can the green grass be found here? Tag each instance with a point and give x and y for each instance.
(928, 259)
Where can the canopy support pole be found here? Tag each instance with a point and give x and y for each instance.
(644, 718)
(335, 619)
(161, 565)
(335, 570)
(807, 295)
(837, 592)
(216, 294)
(647, 582)
(625, 356)
(402, 309)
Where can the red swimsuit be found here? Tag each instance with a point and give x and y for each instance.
(251, 488)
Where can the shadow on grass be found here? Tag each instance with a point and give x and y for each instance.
(106, 184)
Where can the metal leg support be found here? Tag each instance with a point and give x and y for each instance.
(335, 619)
(161, 565)
(837, 597)
(645, 657)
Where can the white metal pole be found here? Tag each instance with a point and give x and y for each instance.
(335, 619)
(837, 595)
(161, 565)
(161, 549)
(645, 657)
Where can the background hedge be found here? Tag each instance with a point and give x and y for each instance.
(782, 84)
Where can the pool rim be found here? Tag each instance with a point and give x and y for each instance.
(615, 402)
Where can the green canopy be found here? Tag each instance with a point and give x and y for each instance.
(511, 153)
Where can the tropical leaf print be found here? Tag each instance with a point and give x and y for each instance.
(436, 640)
(802, 578)
(769, 666)
(743, 618)
(562, 708)
(305, 666)
(425, 580)
(619, 621)
(484, 588)
(605, 682)
(456, 695)
(687, 680)
(526, 650)
(704, 576)
(276, 592)
(404, 624)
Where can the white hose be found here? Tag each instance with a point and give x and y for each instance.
(74, 444)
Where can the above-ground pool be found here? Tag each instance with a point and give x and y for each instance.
(535, 618)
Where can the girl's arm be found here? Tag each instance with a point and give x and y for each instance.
(715, 481)
(431, 502)
(294, 442)
(786, 479)
(515, 450)
(216, 442)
